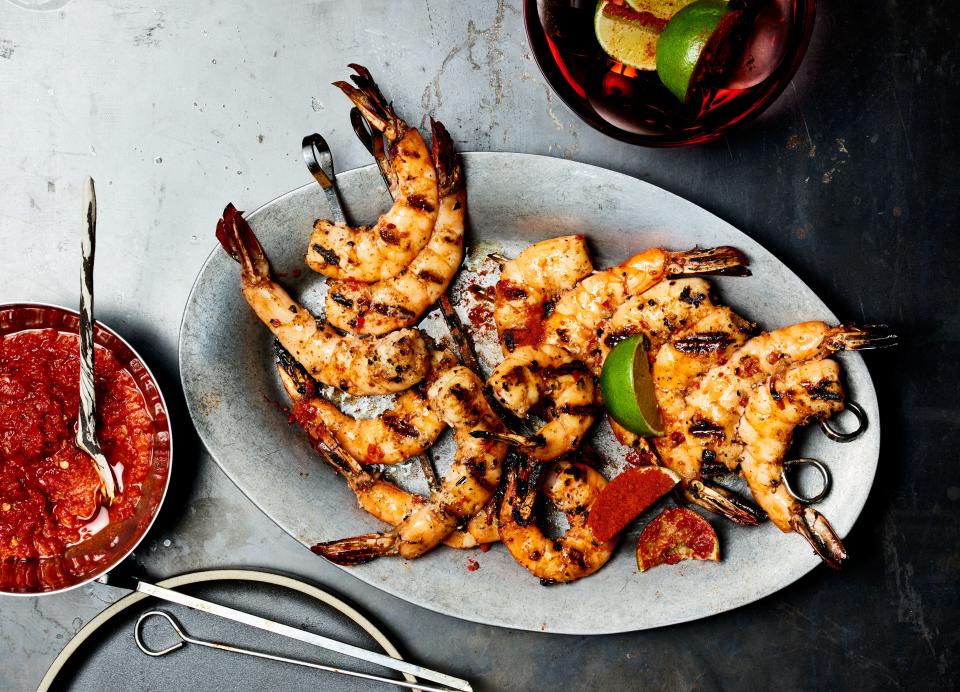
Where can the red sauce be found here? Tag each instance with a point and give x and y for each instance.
(480, 316)
(49, 490)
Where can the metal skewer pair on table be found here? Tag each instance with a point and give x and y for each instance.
(184, 638)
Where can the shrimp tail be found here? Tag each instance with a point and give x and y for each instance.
(374, 107)
(825, 542)
(297, 383)
(851, 337)
(523, 485)
(719, 500)
(724, 260)
(238, 240)
(357, 550)
(449, 171)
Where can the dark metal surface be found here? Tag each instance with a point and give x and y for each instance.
(850, 178)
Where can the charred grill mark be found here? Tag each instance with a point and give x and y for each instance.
(691, 298)
(510, 290)
(823, 390)
(341, 299)
(704, 342)
(578, 410)
(389, 310)
(548, 307)
(774, 393)
(709, 466)
(430, 277)
(398, 425)
(701, 427)
(390, 235)
(576, 557)
(328, 255)
(615, 337)
(419, 202)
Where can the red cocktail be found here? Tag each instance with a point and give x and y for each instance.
(746, 63)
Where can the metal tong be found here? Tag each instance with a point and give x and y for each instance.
(184, 638)
(188, 601)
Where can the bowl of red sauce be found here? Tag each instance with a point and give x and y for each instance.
(54, 532)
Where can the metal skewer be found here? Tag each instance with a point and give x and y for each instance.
(171, 596)
(186, 639)
(86, 430)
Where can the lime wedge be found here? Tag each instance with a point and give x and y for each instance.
(627, 388)
(683, 42)
(627, 41)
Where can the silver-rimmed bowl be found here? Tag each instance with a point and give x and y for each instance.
(89, 559)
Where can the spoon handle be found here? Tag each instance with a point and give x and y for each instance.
(88, 245)
(86, 433)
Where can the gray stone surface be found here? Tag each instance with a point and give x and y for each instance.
(176, 107)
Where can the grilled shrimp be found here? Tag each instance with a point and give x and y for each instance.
(457, 397)
(579, 313)
(705, 429)
(390, 504)
(687, 354)
(358, 365)
(531, 281)
(405, 430)
(397, 302)
(380, 498)
(533, 376)
(790, 398)
(372, 253)
(572, 487)
(657, 313)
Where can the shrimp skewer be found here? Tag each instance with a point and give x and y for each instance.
(456, 396)
(383, 250)
(380, 498)
(358, 365)
(572, 487)
(705, 429)
(579, 313)
(687, 334)
(404, 431)
(790, 398)
(531, 281)
(397, 302)
(533, 376)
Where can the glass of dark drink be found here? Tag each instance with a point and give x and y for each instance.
(743, 69)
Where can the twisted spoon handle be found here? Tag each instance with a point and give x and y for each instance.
(86, 433)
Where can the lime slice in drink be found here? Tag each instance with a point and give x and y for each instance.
(627, 388)
(691, 44)
(625, 36)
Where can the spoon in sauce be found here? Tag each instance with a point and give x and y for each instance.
(86, 431)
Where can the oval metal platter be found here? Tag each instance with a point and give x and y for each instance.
(226, 364)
